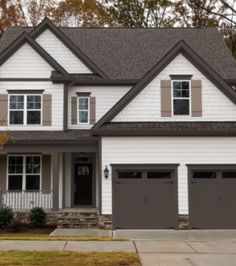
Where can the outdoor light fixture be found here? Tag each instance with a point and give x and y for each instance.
(106, 172)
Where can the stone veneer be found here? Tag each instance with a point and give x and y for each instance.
(103, 221)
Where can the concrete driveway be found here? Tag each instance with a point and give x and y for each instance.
(191, 253)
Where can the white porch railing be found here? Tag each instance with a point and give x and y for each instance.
(26, 200)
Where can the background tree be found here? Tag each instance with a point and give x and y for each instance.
(35, 11)
(82, 13)
(141, 13)
(207, 13)
(196, 13)
(10, 14)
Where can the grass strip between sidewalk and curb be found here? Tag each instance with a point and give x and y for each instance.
(69, 258)
(35, 237)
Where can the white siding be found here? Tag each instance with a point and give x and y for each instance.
(25, 63)
(146, 105)
(159, 150)
(61, 53)
(106, 97)
(56, 90)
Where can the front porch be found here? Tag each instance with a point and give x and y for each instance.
(54, 177)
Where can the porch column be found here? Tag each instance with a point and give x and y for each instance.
(55, 181)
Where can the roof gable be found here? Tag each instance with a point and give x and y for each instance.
(23, 39)
(61, 53)
(47, 24)
(196, 60)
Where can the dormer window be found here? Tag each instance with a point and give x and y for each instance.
(181, 97)
(83, 110)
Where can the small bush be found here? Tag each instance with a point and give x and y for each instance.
(6, 217)
(14, 226)
(38, 217)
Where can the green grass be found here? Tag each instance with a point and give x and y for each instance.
(69, 258)
(42, 236)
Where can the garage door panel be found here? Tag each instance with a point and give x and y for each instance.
(145, 203)
(213, 200)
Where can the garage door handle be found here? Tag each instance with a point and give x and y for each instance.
(170, 182)
(118, 182)
(194, 182)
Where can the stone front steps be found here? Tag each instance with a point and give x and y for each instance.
(77, 219)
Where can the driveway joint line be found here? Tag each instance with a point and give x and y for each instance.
(135, 247)
(65, 245)
(194, 249)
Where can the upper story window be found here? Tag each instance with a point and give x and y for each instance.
(181, 90)
(25, 109)
(24, 172)
(83, 109)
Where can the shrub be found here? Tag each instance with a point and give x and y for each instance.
(14, 226)
(38, 217)
(6, 217)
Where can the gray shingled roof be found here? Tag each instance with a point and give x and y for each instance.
(130, 53)
(69, 136)
(168, 128)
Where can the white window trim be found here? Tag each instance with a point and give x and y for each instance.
(24, 172)
(78, 122)
(25, 110)
(187, 98)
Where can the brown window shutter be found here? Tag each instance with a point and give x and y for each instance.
(47, 109)
(74, 110)
(92, 110)
(165, 98)
(3, 171)
(3, 109)
(196, 97)
(46, 172)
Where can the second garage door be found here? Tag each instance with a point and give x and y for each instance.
(212, 197)
(144, 197)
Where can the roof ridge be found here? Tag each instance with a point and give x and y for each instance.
(121, 28)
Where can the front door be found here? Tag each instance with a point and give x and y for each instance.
(83, 184)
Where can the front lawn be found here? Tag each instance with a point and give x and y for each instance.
(69, 258)
(43, 236)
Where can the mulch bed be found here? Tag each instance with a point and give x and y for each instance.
(28, 229)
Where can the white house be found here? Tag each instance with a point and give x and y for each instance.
(135, 125)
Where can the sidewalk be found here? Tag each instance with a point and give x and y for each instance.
(90, 246)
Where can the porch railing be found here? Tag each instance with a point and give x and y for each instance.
(26, 200)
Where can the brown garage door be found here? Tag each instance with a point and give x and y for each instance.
(212, 195)
(145, 198)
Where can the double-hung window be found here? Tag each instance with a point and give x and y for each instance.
(181, 90)
(83, 110)
(25, 109)
(24, 172)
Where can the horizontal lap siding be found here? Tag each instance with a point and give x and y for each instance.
(61, 53)
(105, 97)
(159, 150)
(25, 63)
(56, 90)
(146, 105)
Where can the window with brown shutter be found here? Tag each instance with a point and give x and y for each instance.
(181, 95)
(83, 109)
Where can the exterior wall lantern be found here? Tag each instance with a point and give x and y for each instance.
(106, 172)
